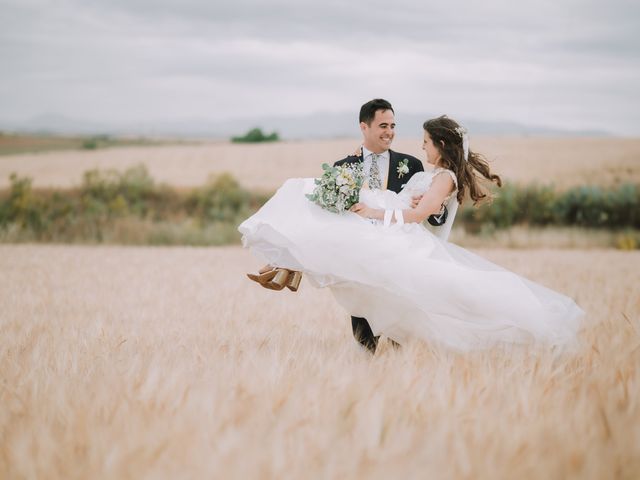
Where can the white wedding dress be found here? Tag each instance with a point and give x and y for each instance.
(405, 280)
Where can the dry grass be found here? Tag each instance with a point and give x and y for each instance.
(523, 236)
(167, 363)
(16, 144)
(563, 161)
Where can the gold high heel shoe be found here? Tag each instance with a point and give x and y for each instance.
(275, 278)
(293, 281)
(264, 275)
(279, 280)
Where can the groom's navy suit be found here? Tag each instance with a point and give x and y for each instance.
(361, 329)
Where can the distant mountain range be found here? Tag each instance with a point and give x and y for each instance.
(313, 126)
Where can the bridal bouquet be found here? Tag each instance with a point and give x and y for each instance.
(338, 189)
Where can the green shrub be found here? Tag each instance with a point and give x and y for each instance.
(95, 142)
(585, 206)
(628, 240)
(110, 205)
(222, 199)
(112, 193)
(23, 207)
(255, 135)
(537, 204)
(129, 207)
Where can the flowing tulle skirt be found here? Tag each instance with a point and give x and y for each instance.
(406, 282)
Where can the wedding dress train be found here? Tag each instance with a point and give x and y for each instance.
(406, 280)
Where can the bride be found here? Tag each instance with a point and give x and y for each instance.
(381, 263)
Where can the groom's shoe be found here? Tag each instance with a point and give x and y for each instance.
(370, 343)
(363, 334)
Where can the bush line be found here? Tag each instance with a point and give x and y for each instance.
(129, 207)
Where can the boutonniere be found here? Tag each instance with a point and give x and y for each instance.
(403, 167)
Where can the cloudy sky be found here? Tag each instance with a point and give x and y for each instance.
(572, 64)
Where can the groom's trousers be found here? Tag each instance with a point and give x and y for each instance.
(363, 333)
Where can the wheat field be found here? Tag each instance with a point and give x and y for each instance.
(127, 362)
(564, 162)
(167, 363)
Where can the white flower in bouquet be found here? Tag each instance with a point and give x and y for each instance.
(338, 189)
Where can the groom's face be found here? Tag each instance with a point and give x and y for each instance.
(379, 135)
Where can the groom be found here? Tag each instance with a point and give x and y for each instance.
(383, 168)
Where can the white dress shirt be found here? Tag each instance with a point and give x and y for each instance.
(383, 165)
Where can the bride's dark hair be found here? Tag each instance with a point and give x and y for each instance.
(446, 137)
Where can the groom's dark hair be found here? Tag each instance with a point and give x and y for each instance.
(369, 109)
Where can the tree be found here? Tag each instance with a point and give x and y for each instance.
(255, 135)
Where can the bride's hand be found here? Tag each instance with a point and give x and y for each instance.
(416, 200)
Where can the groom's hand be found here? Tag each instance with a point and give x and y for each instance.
(361, 209)
(358, 207)
(415, 201)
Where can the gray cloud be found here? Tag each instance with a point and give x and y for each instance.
(566, 63)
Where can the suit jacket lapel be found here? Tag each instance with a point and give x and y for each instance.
(355, 159)
(392, 175)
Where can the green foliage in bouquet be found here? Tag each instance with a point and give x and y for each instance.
(338, 189)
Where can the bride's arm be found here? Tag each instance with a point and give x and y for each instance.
(430, 204)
